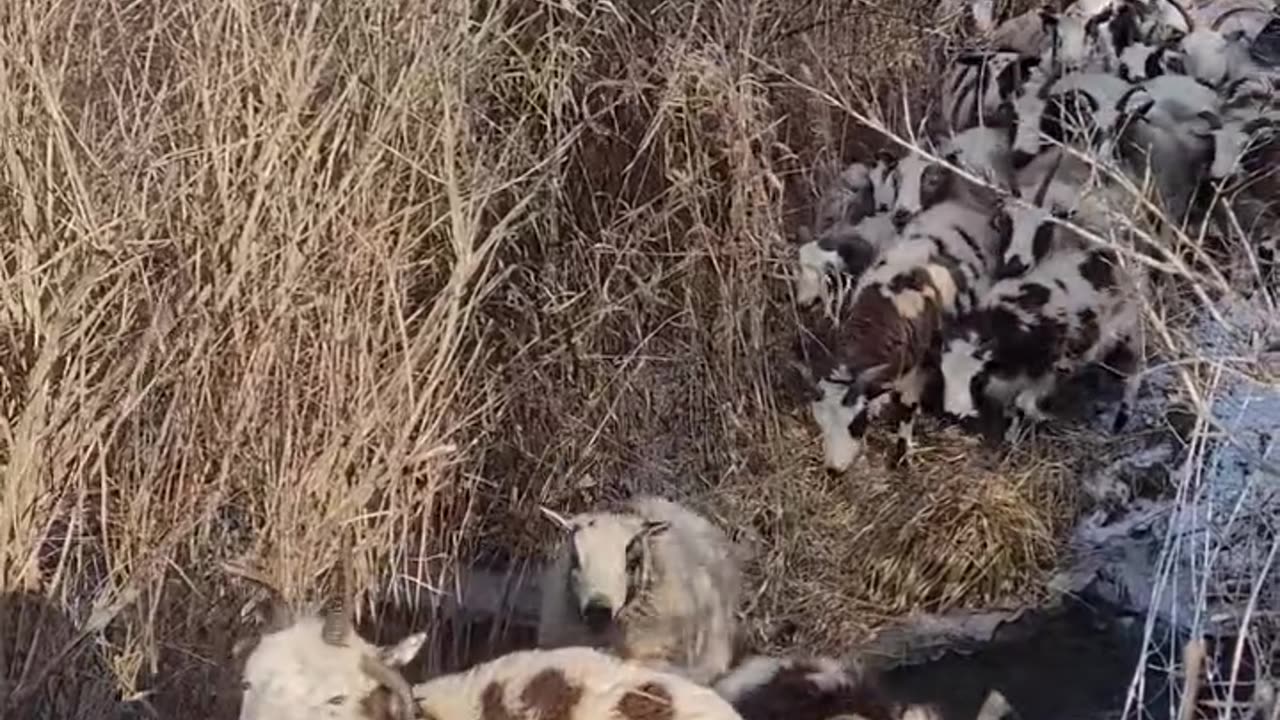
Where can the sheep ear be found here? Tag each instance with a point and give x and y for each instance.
(655, 527)
(402, 652)
(1048, 18)
(556, 518)
(885, 157)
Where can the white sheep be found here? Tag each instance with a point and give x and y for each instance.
(317, 666)
(567, 683)
(656, 583)
(1248, 122)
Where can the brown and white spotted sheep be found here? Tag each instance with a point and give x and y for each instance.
(882, 352)
(573, 683)
(655, 582)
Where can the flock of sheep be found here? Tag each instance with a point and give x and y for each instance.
(637, 621)
(974, 275)
(966, 289)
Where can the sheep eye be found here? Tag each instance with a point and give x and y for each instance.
(244, 686)
(336, 700)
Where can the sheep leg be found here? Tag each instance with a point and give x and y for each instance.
(905, 441)
(907, 395)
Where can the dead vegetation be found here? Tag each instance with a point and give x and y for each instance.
(270, 269)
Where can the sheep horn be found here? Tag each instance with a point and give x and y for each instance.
(1210, 117)
(1043, 190)
(1217, 22)
(279, 615)
(388, 677)
(1186, 16)
(337, 621)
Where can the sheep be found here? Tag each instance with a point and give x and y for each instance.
(1027, 34)
(1056, 183)
(803, 688)
(570, 682)
(884, 181)
(1143, 61)
(316, 665)
(319, 667)
(858, 191)
(843, 249)
(1166, 129)
(1245, 124)
(979, 84)
(923, 183)
(882, 349)
(1032, 332)
(1217, 47)
(1073, 44)
(1231, 16)
(1075, 107)
(822, 688)
(656, 583)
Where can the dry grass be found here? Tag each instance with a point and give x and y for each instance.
(271, 270)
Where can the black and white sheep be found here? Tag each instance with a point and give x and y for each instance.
(841, 253)
(980, 84)
(1081, 109)
(1033, 332)
(822, 688)
(655, 582)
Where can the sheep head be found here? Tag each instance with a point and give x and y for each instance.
(610, 563)
(318, 666)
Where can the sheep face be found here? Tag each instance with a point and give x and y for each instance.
(1073, 41)
(884, 182)
(922, 184)
(1233, 142)
(1140, 62)
(296, 674)
(840, 413)
(610, 564)
(815, 262)
(850, 198)
(1024, 229)
(964, 363)
(844, 248)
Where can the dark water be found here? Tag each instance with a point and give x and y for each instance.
(1078, 665)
